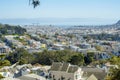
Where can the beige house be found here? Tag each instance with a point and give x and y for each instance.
(65, 71)
(92, 77)
(92, 73)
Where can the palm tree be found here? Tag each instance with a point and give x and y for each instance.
(35, 3)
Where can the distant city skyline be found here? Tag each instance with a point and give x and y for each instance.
(84, 9)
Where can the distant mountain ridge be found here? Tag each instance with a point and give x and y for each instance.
(58, 21)
(118, 23)
(115, 25)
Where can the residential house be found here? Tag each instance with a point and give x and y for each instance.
(9, 78)
(101, 55)
(31, 77)
(96, 73)
(65, 71)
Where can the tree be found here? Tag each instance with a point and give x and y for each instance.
(20, 55)
(114, 72)
(3, 61)
(114, 60)
(1, 76)
(89, 58)
(77, 59)
(47, 57)
(10, 29)
(35, 3)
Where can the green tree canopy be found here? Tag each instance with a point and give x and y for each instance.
(3, 61)
(77, 59)
(20, 55)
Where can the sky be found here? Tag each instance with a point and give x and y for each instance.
(83, 9)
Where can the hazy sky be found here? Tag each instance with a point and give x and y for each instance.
(108, 9)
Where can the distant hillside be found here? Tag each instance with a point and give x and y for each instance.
(115, 25)
(10, 29)
(58, 21)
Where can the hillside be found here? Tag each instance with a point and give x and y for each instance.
(115, 25)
